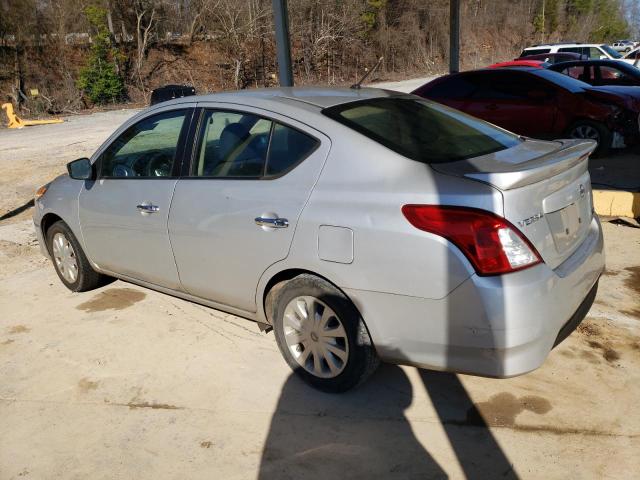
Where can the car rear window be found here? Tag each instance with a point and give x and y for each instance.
(421, 130)
(535, 51)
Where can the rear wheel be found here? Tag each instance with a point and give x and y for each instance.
(69, 260)
(321, 335)
(590, 130)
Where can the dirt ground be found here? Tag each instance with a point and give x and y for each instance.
(124, 382)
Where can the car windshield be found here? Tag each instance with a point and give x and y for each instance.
(612, 53)
(422, 130)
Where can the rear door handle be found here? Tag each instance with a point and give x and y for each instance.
(272, 222)
(148, 208)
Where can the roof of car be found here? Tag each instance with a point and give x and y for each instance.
(320, 97)
(607, 62)
(565, 45)
(520, 63)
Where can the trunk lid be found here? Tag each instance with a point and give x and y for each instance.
(546, 191)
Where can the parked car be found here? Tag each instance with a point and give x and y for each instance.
(521, 63)
(633, 57)
(358, 224)
(541, 103)
(623, 46)
(594, 51)
(169, 92)
(554, 57)
(600, 72)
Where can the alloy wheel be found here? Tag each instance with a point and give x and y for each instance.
(586, 132)
(315, 337)
(65, 257)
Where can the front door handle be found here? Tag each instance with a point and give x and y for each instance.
(148, 208)
(272, 222)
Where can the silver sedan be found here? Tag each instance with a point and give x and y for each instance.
(357, 224)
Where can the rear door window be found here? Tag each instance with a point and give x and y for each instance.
(506, 86)
(421, 130)
(237, 144)
(232, 144)
(580, 72)
(578, 50)
(453, 88)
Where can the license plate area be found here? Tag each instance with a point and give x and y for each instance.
(569, 224)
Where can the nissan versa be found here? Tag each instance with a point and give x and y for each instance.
(358, 224)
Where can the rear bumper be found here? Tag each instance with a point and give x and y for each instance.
(491, 326)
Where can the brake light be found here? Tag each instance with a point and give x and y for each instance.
(492, 244)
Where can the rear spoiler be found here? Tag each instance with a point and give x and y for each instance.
(507, 175)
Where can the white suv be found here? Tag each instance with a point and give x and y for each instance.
(593, 51)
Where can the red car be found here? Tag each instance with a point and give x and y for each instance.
(521, 63)
(541, 103)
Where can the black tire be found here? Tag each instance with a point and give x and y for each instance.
(87, 278)
(362, 359)
(605, 136)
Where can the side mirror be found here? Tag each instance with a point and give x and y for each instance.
(80, 169)
(604, 57)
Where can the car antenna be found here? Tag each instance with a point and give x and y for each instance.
(356, 86)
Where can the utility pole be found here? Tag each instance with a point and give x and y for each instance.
(454, 36)
(544, 21)
(281, 22)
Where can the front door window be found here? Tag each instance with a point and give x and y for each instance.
(145, 150)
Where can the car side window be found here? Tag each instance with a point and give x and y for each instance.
(147, 149)
(456, 87)
(578, 50)
(613, 75)
(538, 51)
(595, 53)
(245, 145)
(579, 72)
(505, 86)
(288, 147)
(232, 144)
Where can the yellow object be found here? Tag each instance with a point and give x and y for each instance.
(617, 203)
(17, 122)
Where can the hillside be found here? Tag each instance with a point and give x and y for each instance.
(64, 49)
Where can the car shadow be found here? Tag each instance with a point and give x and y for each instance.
(365, 433)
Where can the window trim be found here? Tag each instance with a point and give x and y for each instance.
(195, 143)
(180, 146)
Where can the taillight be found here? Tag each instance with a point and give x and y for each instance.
(492, 244)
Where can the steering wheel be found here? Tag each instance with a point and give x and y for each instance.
(159, 165)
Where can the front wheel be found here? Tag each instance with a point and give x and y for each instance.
(590, 130)
(69, 260)
(321, 335)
